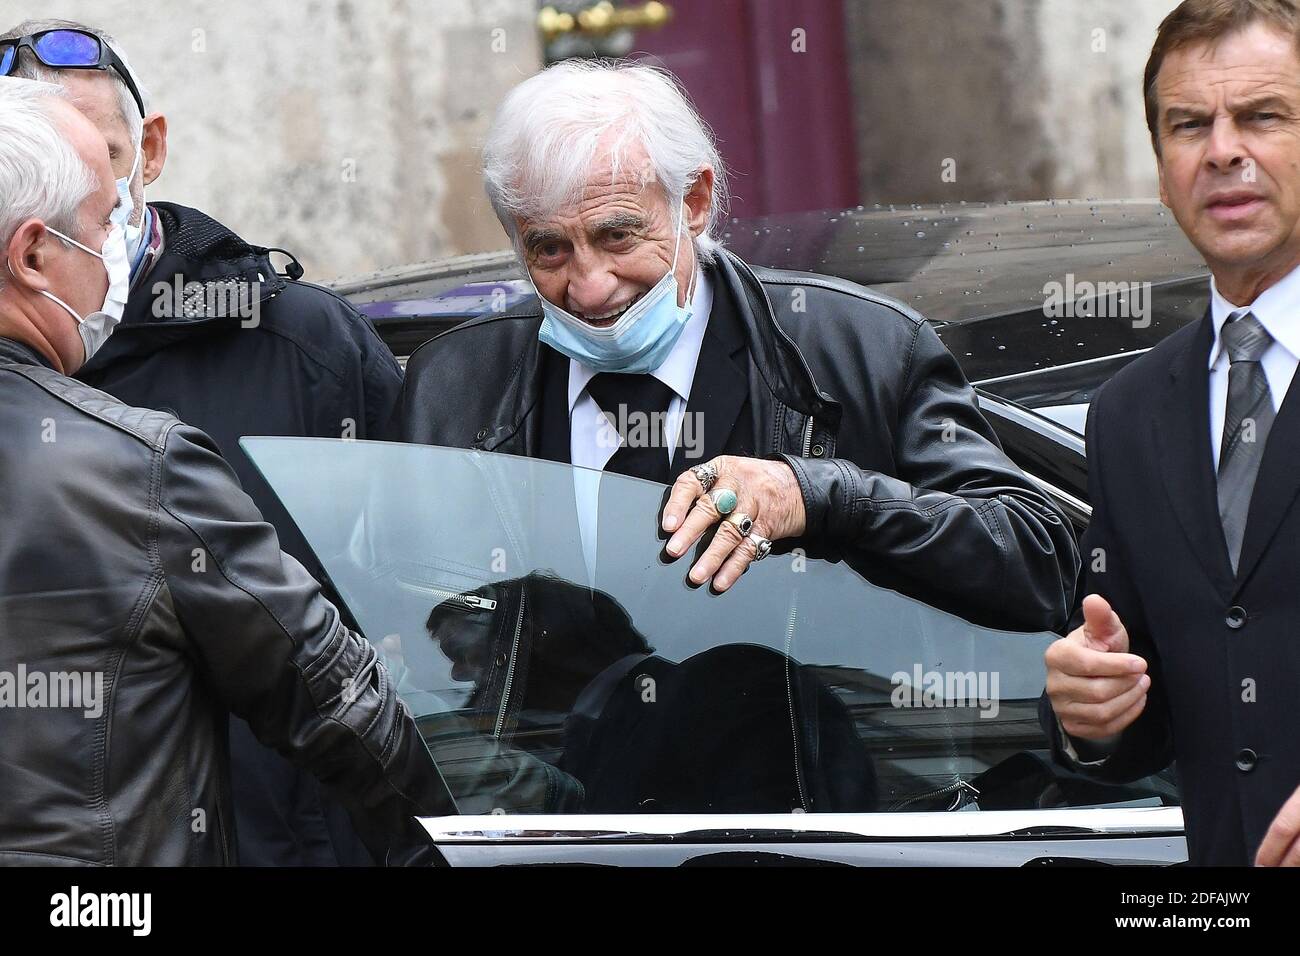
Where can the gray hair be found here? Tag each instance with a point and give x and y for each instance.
(542, 142)
(28, 68)
(41, 174)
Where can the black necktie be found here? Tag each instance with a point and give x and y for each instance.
(636, 407)
(1246, 424)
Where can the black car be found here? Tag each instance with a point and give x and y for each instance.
(603, 711)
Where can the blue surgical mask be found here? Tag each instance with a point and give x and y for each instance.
(122, 215)
(638, 343)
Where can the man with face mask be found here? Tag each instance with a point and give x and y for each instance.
(784, 408)
(141, 594)
(213, 335)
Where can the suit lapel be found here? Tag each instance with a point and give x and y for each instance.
(1276, 485)
(720, 387)
(1181, 435)
(548, 426)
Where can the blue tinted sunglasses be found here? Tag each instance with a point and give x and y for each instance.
(68, 50)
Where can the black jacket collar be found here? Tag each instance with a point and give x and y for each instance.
(781, 367)
(20, 353)
(721, 385)
(172, 301)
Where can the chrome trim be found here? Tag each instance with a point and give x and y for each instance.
(1035, 421)
(642, 828)
(1067, 500)
(448, 268)
(1056, 368)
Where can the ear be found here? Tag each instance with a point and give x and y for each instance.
(699, 200)
(27, 256)
(154, 145)
(1160, 172)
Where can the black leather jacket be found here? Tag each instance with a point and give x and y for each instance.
(140, 587)
(901, 475)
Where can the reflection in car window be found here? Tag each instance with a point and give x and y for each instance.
(552, 675)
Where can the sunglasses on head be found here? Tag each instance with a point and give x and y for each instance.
(68, 50)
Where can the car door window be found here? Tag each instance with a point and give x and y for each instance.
(555, 662)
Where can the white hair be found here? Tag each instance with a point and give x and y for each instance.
(41, 174)
(29, 68)
(542, 143)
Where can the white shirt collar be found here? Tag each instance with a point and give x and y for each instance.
(1277, 308)
(678, 370)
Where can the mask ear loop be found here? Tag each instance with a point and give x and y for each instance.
(97, 255)
(139, 151)
(50, 295)
(695, 268)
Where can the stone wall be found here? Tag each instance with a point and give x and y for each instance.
(1029, 99)
(343, 130)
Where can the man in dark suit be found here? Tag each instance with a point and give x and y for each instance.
(804, 409)
(1188, 645)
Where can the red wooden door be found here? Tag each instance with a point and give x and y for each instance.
(770, 78)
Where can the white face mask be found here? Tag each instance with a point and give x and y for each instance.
(125, 211)
(98, 326)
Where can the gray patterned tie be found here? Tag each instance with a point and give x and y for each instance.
(1245, 426)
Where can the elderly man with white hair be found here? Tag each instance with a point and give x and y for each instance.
(142, 596)
(789, 408)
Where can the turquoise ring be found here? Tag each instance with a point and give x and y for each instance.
(724, 499)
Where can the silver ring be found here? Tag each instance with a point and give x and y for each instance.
(762, 546)
(707, 475)
(742, 522)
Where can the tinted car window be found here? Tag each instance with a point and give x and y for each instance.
(556, 663)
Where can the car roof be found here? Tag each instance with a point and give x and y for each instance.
(981, 273)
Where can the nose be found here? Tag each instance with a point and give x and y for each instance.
(591, 284)
(1226, 151)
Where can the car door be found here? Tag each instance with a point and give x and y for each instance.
(585, 704)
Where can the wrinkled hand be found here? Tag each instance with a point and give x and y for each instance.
(1097, 688)
(766, 491)
(1281, 846)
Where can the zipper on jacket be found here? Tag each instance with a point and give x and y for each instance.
(510, 670)
(807, 438)
(462, 599)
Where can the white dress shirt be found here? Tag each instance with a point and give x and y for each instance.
(589, 433)
(590, 444)
(1278, 311)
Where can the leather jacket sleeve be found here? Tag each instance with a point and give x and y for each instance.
(277, 654)
(959, 512)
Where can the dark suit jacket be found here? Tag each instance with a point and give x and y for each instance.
(1223, 652)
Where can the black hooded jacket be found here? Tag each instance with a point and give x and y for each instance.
(213, 335)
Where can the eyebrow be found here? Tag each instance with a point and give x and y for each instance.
(1268, 100)
(536, 236)
(1253, 104)
(619, 220)
(1185, 111)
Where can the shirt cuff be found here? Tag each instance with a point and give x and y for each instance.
(1088, 753)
